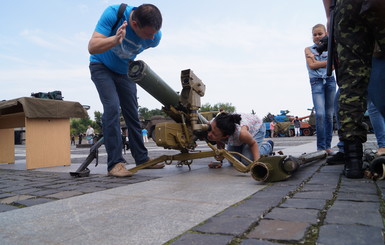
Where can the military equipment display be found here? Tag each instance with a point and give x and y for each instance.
(285, 124)
(189, 126)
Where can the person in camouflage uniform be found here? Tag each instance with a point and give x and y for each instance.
(358, 25)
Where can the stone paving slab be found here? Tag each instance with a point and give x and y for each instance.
(202, 239)
(15, 198)
(304, 203)
(65, 194)
(363, 213)
(279, 230)
(350, 234)
(258, 242)
(358, 197)
(352, 188)
(5, 208)
(294, 214)
(32, 201)
(224, 225)
(323, 195)
(245, 209)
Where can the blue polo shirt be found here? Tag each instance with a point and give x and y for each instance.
(117, 58)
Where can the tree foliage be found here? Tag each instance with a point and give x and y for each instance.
(146, 114)
(227, 107)
(98, 119)
(78, 126)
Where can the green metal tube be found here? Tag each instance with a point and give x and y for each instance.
(312, 156)
(142, 74)
(278, 168)
(269, 169)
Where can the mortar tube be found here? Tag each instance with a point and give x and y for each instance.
(147, 79)
(141, 73)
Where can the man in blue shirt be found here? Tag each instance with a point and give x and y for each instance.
(114, 44)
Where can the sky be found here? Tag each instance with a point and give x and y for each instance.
(249, 53)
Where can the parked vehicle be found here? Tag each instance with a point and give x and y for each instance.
(285, 126)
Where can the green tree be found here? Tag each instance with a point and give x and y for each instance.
(75, 126)
(78, 126)
(206, 107)
(143, 113)
(228, 107)
(98, 120)
(146, 114)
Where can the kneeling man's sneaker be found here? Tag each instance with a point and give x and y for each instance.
(119, 170)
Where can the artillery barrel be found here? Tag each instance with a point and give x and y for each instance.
(278, 168)
(146, 78)
(312, 156)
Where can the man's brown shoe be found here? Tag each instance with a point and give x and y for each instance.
(119, 170)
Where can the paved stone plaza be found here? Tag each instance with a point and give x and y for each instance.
(317, 205)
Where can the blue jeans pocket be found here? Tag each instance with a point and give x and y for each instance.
(315, 80)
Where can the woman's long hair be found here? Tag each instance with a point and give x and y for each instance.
(226, 122)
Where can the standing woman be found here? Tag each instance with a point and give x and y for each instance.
(323, 90)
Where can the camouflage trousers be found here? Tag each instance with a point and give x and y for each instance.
(356, 30)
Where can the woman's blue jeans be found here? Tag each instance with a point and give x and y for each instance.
(340, 143)
(118, 93)
(323, 94)
(264, 148)
(378, 123)
(376, 104)
(376, 88)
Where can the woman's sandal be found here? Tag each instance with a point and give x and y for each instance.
(215, 165)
